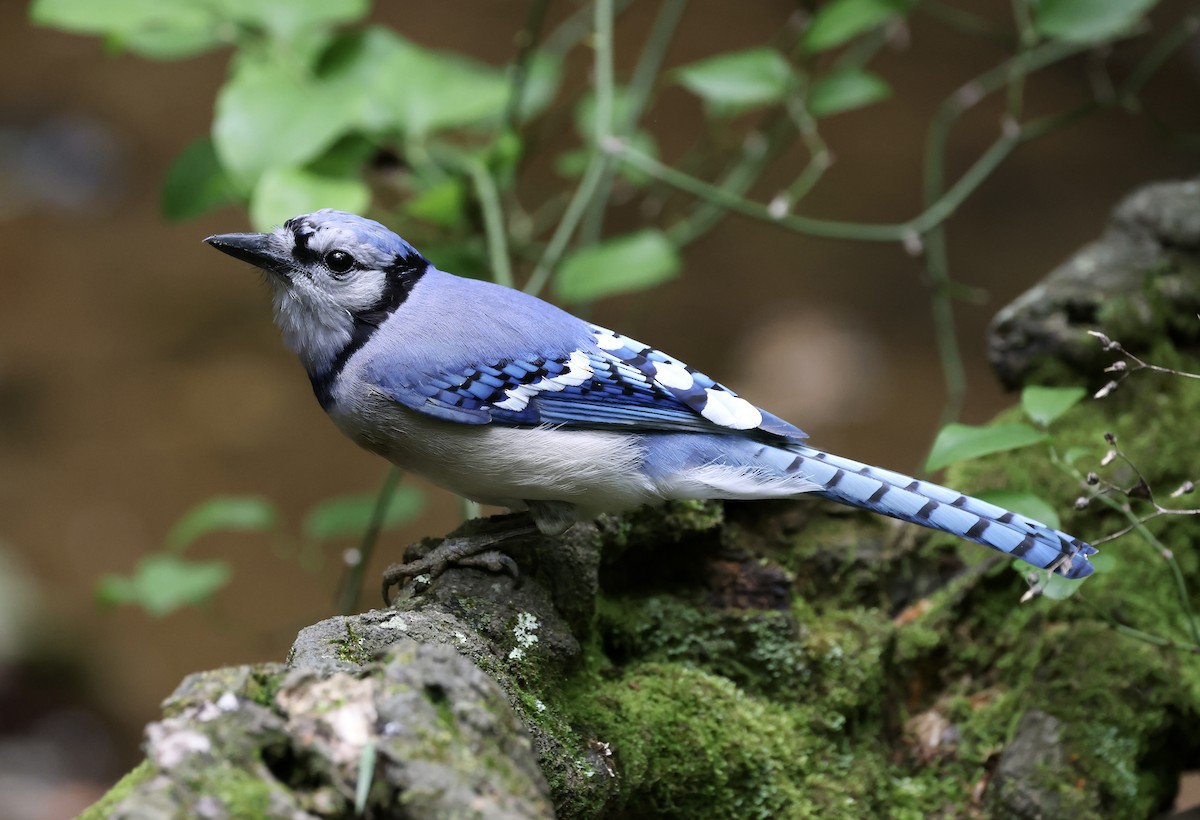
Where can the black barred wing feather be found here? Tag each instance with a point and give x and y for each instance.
(616, 383)
(707, 398)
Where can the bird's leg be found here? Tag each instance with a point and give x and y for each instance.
(552, 517)
(474, 549)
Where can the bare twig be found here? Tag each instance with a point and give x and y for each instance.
(1126, 369)
(1120, 499)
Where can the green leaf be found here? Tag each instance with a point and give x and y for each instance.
(345, 158)
(1026, 504)
(281, 193)
(571, 164)
(543, 77)
(442, 203)
(845, 90)
(163, 583)
(1045, 404)
(843, 20)
(733, 82)
(151, 28)
(366, 776)
(183, 28)
(271, 114)
(1088, 21)
(1103, 561)
(349, 515)
(1073, 454)
(624, 264)
(239, 513)
(503, 154)
(1058, 588)
(1051, 585)
(286, 19)
(196, 183)
(585, 112)
(399, 86)
(962, 442)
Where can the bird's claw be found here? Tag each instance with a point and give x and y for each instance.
(472, 552)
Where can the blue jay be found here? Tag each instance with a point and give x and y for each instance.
(509, 401)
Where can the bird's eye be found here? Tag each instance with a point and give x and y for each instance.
(339, 261)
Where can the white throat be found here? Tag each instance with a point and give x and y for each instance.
(315, 329)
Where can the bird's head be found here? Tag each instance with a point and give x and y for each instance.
(335, 277)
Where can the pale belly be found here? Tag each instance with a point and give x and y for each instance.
(506, 466)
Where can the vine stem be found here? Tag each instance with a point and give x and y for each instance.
(637, 97)
(598, 161)
(1138, 524)
(832, 229)
(352, 586)
(493, 222)
(1185, 600)
(527, 44)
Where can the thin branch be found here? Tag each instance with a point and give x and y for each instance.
(759, 148)
(1163, 50)
(637, 97)
(963, 22)
(493, 222)
(1121, 366)
(1185, 600)
(599, 159)
(527, 40)
(1147, 637)
(576, 28)
(1137, 523)
(833, 229)
(820, 158)
(352, 585)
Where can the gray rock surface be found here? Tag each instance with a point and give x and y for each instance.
(1138, 283)
(418, 731)
(1031, 769)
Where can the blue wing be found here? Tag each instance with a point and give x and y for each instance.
(615, 383)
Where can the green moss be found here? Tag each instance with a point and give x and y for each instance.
(1165, 304)
(352, 648)
(658, 527)
(834, 658)
(756, 649)
(847, 651)
(714, 713)
(243, 793)
(737, 713)
(838, 558)
(691, 744)
(687, 743)
(1124, 702)
(262, 686)
(105, 805)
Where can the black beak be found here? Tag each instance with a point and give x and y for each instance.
(254, 248)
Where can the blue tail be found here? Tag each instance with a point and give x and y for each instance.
(941, 508)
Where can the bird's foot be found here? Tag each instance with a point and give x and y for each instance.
(474, 551)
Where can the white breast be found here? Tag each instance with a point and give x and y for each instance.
(497, 465)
